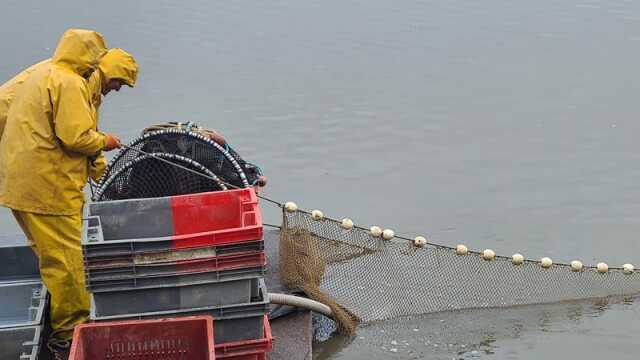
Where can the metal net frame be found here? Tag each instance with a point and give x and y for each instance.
(366, 278)
(158, 175)
(187, 144)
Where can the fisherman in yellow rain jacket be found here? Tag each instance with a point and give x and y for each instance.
(48, 138)
(116, 68)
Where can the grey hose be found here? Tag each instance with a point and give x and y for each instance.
(301, 302)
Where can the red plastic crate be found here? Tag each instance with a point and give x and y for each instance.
(220, 217)
(169, 339)
(247, 349)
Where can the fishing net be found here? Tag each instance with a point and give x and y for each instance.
(365, 278)
(187, 144)
(157, 175)
(252, 171)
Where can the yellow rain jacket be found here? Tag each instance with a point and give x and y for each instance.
(8, 91)
(50, 131)
(116, 64)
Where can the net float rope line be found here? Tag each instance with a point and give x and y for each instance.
(322, 217)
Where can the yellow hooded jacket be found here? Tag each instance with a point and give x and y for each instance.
(50, 131)
(8, 91)
(116, 64)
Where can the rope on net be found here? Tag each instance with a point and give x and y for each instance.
(373, 274)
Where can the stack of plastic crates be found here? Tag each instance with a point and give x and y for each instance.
(197, 254)
(23, 304)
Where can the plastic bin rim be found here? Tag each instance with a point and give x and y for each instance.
(268, 339)
(264, 300)
(173, 237)
(249, 189)
(206, 318)
(94, 286)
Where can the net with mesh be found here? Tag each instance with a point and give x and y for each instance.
(156, 175)
(365, 278)
(184, 143)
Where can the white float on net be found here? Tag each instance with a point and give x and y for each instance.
(602, 267)
(388, 234)
(347, 224)
(317, 215)
(576, 266)
(375, 231)
(462, 250)
(290, 206)
(420, 241)
(517, 259)
(488, 254)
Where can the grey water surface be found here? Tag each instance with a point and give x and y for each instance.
(503, 124)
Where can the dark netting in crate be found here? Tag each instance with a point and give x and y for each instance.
(156, 175)
(252, 171)
(187, 144)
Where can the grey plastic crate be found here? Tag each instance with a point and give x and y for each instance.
(20, 343)
(175, 297)
(94, 246)
(22, 303)
(150, 276)
(119, 283)
(232, 322)
(19, 263)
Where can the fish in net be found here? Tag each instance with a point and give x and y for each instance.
(158, 175)
(365, 278)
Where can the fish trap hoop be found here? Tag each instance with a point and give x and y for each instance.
(148, 176)
(184, 143)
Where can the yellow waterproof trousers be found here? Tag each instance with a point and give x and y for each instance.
(56, 241)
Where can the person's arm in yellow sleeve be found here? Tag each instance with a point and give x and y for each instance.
(72, 117)
(98, 167)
